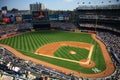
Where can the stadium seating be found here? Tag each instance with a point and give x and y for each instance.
(28, 69)
(112, 42)
(11, 29)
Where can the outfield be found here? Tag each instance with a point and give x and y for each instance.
(28, 43)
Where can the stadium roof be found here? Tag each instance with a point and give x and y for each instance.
(89, 7)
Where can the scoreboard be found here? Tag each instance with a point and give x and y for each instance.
(39, 15)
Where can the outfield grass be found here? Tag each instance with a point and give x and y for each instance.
(28, 43)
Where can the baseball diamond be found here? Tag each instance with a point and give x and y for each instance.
(53, 49)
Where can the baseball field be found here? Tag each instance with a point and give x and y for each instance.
(77, 52)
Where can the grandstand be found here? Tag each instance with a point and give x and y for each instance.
(100, 16)
(27, 69)
(105, 22)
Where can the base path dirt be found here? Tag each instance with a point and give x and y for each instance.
(109, 64)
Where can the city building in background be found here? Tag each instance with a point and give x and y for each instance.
(39, 16)
(37, 7)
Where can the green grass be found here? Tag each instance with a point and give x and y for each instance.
(28, 43)
(64, 52)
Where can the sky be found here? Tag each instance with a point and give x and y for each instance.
(54, 4)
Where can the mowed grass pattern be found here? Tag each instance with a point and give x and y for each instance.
(28, 43)
(64, 52)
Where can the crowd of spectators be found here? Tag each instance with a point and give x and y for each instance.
(103, 26)
(9, 29)
(100, 17)
(112, 42)
(16, 67)
(64, 25)
(115, 75)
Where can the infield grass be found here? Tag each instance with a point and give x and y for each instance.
(64, 52)
(28, 43)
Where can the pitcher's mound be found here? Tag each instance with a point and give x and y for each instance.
(72, 52)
